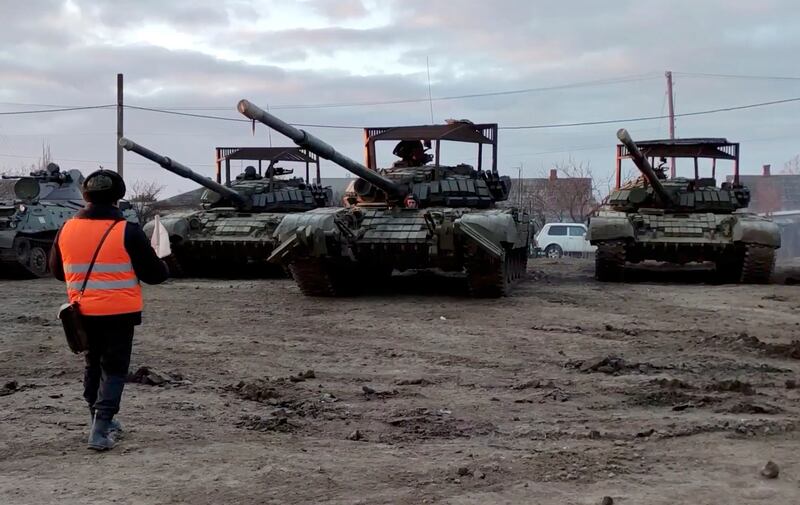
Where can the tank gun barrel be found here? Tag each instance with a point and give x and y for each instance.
(644, 166)
(307, 141)
(184, 171)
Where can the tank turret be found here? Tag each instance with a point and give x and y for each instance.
(307, 141)
(644, 167)
(412, 181)
(173, 166)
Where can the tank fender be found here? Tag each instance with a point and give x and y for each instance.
(757, 231)
(323, 218)
(175, 226)
(602, 228)
(490, 231)
(306, 231)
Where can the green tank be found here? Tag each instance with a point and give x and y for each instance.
(42, 202)
(682, 220)
(417, 214)
(232, 235)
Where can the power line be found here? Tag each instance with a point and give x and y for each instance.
(739, 76)
(237, 120)
(46, 111)
(599, 82)
(651, 118)
(99, 162)
(352, 127)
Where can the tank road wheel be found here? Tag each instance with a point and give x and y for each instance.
(609, 261)
(23, 249)
(37, 263)
(489, 277)
(759, 262)
(174, 266)
(729, 267)
(317, 277)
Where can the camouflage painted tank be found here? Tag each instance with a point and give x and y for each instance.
(233, 234)
(414, 215)
(42, 203)
(682, 220)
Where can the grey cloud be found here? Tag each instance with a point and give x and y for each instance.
(479, 46)
(340, 9)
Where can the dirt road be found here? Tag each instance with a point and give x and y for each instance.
(567, 392)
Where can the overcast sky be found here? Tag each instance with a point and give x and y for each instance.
(211, 53)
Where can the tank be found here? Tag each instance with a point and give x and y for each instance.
(682, 220)
(415, 215)
(42, 202)
(232, 234)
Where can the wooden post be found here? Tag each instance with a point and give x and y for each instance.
(218, 163)
(671, 107)
(119, 125)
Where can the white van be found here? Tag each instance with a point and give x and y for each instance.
(558, 239)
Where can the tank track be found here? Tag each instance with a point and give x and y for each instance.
(488, 277)
(758, 264)
(317, 277)
(609, 261)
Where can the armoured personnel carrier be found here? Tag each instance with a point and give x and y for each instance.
(42, 202)
(418, 214)
(681, 220)
(232, 234)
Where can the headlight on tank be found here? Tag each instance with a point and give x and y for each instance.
(22, 208)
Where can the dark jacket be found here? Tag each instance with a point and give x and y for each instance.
(148, 267)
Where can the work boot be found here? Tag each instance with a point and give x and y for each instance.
(114, 427)
(100, 438)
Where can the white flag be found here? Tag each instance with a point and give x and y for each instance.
(160, 239)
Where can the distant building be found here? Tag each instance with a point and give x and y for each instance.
(777, 196)
(772, 193)
(553, 198)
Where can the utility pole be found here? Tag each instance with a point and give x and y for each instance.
(119, 125)
(671, 107)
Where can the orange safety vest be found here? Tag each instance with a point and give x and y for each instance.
(113, 287)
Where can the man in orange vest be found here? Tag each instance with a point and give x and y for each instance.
(111, 302)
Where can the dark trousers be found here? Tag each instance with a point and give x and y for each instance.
(107, 362)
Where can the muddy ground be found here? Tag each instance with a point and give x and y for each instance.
(564, 393)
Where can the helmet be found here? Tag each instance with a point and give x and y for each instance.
(405, 148)
(250, 172)
(103, 186)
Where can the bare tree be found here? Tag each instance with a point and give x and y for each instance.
(143, 195)
(569, 191)
(16, 172)
(792, 166)
(46, 157)
(40, 164)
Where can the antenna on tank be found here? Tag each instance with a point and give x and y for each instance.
(430, 95)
